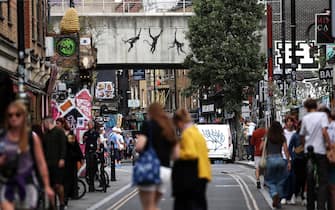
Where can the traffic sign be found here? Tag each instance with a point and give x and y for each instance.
(323, 29)
(326, 73)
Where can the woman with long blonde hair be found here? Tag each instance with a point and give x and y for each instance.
(160, 133)
(20, 152)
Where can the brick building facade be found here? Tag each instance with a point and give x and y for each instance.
(37, 71)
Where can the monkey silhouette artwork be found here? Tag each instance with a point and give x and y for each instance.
(133, 40)
(153, 44)
(177, 44)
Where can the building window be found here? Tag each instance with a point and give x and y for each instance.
(33, 31)
(43, 23)
(1, 12)
(9, 14)
(38, 20)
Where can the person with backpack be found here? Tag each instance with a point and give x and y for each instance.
(21, 158)
(296, 149)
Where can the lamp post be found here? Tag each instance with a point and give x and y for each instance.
(293, 42)
(21, 48)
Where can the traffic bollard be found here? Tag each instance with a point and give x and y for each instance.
(112, 156)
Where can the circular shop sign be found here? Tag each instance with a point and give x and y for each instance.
(66, 47)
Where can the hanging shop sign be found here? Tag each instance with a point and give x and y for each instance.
(105, 90)
(138, 74)
(66, 50)
(83, 102)
(326, 73)
(208, 108)
(323, 29)
(66, 46)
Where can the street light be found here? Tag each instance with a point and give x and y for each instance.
(21, 49)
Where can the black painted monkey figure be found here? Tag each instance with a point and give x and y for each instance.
(133, 40)
(153, 44)
(177, 44)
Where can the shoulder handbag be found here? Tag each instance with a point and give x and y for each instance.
(262, 163)
(146, 170)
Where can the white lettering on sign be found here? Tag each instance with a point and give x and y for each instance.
(208, 108)
(305, 61)
(326, 73)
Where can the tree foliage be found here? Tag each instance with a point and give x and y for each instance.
(225, 45)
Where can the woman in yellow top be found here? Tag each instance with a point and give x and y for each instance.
(192, 169)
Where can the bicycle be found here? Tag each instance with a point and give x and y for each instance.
(101, 177)
(104, 179)
(81, 189)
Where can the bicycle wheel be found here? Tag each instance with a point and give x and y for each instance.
(81, 187)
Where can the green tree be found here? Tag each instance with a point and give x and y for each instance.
(225, 42)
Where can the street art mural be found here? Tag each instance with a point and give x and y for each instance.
(131, 41)
(154, 40)
(76, 110)
(178, 45)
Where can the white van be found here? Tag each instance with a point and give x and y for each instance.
(219, 141)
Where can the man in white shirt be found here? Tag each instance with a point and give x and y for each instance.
(314, 133)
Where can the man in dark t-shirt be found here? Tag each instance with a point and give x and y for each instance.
(54, 143)
(91, 138)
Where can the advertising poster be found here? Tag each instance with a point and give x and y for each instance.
(105, 90)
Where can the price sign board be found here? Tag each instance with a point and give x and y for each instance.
(323, 29)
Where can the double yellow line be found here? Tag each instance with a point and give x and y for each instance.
(124, 200)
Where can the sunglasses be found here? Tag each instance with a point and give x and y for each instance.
(17, 115)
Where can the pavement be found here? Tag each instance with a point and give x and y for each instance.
(232, 188)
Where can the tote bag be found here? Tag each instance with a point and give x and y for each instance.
(146, 170)
(262, 163)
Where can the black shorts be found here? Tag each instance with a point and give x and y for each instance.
(56, 175)
(117, 154)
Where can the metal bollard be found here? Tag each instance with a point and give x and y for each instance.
(112, 156)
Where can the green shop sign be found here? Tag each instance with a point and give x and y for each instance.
(66, 47)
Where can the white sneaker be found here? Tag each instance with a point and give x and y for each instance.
(292, 201)
(283, 201)
(299, 199)
(304, 202)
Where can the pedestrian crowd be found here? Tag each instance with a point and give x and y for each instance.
(297, 159)
(38, 161)
(159, 145)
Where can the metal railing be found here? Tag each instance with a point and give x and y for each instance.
(122, 6)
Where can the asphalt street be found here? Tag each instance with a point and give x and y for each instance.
(232, 188)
